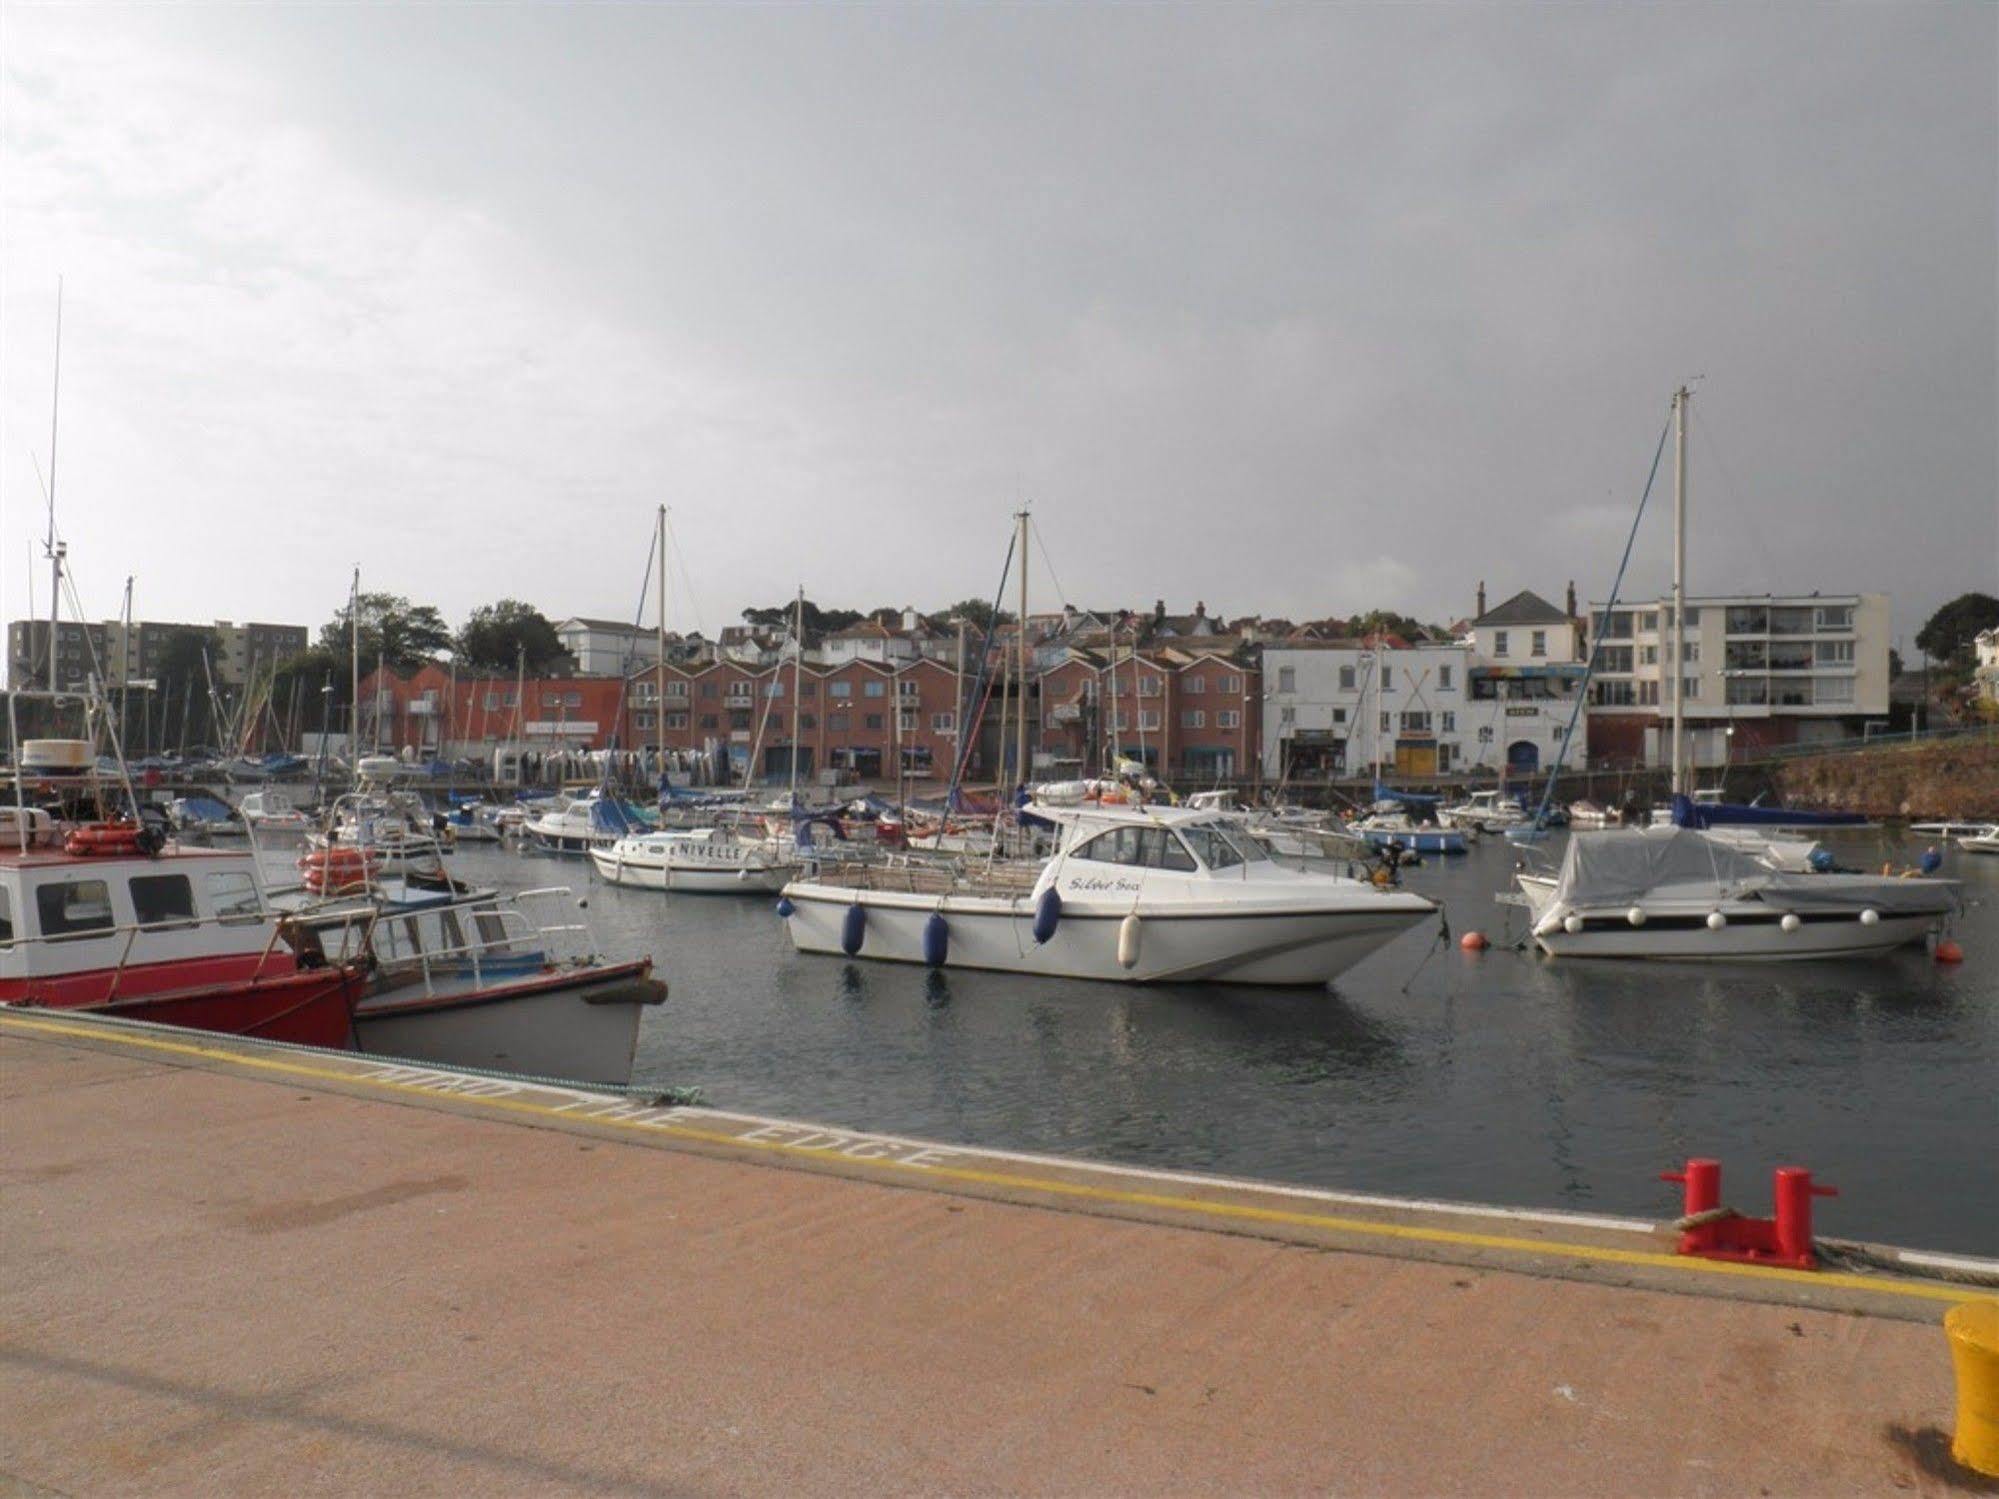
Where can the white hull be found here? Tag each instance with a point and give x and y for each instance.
(698, 879)
(1293, 948)
(557, 1033)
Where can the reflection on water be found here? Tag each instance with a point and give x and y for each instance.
(1496, 1077)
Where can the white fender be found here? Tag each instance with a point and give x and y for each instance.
(1128, 933)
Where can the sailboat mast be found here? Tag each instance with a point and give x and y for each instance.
(55, 548)
(659, 677)
(1679, 757)
(1020, 729)
(354, 665)
(797, 668)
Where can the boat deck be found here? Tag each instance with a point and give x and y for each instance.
(1001, 880)
(235, 1268)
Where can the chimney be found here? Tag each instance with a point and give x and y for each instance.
(1200, 611)
(1572, 598)
(1479, 613)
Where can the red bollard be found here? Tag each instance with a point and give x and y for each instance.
(1793, 1191)
(1703, 1195)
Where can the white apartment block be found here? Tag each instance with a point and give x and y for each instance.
(1756, 672)
(1332, 707)
(606, 647)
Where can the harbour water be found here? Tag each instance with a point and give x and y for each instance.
(1498, 1077)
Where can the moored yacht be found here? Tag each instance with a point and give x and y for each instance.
(729, 858)
(1135, 895)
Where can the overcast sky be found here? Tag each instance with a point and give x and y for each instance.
(1296, 310)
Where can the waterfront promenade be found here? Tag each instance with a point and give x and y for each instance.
(232, 1269)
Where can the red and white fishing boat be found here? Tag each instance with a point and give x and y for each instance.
(110, 918)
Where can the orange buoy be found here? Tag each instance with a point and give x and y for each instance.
(1473, 942)
(1949, 952)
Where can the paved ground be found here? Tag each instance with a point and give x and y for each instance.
(217, 1283)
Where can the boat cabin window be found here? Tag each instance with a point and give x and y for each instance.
(234, 895)
(1145, 848)
(1218, 850)
(74, 907)
(162, 899)
(6, 917)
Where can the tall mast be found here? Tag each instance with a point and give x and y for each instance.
(125, 673)
(354, 651)
(1680, 399)
(659, 676)
(55, 548)
(797, 670)
(1020, 729)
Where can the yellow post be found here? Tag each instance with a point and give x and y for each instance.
(1973, 1330)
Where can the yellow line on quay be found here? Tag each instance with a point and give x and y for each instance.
(1237, 1212)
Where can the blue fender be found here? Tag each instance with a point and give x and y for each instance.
(1047, 914)
(936, 939)
(853, 929)
(785, 909)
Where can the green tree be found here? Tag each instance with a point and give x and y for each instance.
(817, 621)
(393, 630)
(183, 679)
(978, 613)
(1948, 635)
(498, 635)
(307, 675)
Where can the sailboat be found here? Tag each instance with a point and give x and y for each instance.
(734, 857)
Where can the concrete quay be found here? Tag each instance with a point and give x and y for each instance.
(233, 1268)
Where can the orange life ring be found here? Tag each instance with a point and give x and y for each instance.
(103, 838)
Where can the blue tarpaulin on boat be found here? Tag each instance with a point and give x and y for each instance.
(609, 815)
(1688, 813)
(1415, 798)
(199, 808)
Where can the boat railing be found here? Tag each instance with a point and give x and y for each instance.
(494, 937)
(282, 928)
(904, 875)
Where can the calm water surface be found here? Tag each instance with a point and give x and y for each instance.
(1502, 1077)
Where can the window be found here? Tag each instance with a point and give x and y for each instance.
(1387, 678)
(839, 723)
(807, 722)
(1499, 642)
(1217, 850)
(1339, 715)
(1833, 653)
(1195, 686)
(710, 721)
(234, 895)
(1228, 718)
(1448, 722)
(1648, 694)
(644, 720)
(1287, 679)
(1690, 651)
(774, 723)
(1835, 617)
(1613, 694)
(6, 917)
(741, 692)
(1384, 720)
(872, 721)
(1346, 679)
(1648, 655)
(676, 689)
(1287, 716)
(1148, 720)
(1832, 689)
(1232, 682)
(1690, 687)
(1613, 658)
(1537, 643)
(839, 689)
(1142, 848)
(1485, 734)
(808, 689)
(75, 907)
(551, 700)
(676, 720)
(874, 689)
(1444, 678)
(909, 689)
(906, 720)
(1194, 719)
(1150, 686)
(1416, 723)
(739, 720)
(1648, 622)
(572, 700)
(943, 723)
(774, 687)
(158, 899)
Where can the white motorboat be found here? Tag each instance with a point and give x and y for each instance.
(1136, 895)
(725, 860)
(577, 823)
(271, 814)
(1484, 812)
(1589, 814)
(1678, 893)
(1393, 828)
(1952, 830)
(1984, 841)
(378, 833)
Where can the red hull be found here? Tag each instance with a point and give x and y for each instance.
(180, 976)
(312, 1007)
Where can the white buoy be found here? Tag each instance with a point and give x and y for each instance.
(1127, 942)
(1635, 916)
(1716, 921)
(1870, 917)
(1572, 924)
(1790, 923)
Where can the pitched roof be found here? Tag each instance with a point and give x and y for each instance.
(1524, 608)
(606, 626)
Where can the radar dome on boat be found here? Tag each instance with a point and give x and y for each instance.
(65, 756)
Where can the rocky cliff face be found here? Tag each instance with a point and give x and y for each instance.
(1957, 780)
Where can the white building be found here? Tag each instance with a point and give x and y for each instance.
(1986, 644)
(1528, 662)
(1757, 672)
(607, 648)
(1332, 707)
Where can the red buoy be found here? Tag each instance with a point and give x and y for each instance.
(1949, 952)
(1473, 942)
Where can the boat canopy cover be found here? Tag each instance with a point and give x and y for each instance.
(1657, 867)
(1688, 813)
(202, 808)
(1409, 798)
(610, 815)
